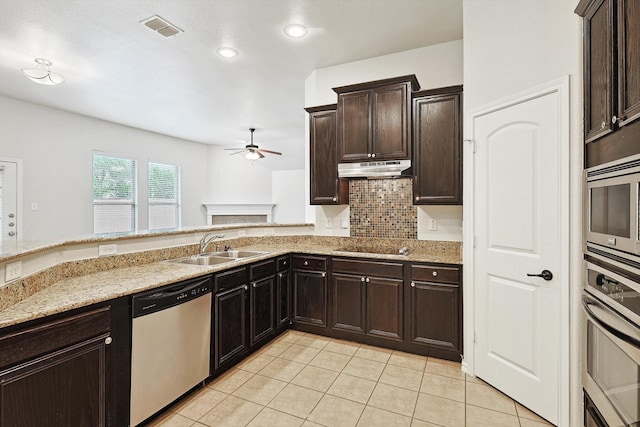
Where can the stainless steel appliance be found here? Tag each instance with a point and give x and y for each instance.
(613, 213)
(611, 354)
(170, 348)
(372, 170)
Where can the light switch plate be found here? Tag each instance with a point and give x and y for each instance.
(433, 225)
(329, 223)
(12, 271)
(110, 249)
(345, 222)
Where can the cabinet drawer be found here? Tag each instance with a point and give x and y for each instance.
(37, 340)
(309, 263)
(284, 263)
(262, 269)
(435, 274)
(368, 268)
(229, 279)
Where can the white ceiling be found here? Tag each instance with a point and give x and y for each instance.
(117, 69)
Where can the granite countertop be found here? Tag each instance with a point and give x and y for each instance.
(84, 290)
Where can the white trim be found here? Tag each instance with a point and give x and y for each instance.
(239, 209)
(561, 87)
(19, 192)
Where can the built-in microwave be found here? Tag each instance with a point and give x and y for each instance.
(613, 213)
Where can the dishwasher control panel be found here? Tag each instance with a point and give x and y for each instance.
(169, 296)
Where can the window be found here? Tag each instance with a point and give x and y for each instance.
(114, 195)
(164, 196)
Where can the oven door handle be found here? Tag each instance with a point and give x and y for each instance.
(612, 322)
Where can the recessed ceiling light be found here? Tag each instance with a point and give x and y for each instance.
(295, 30)
(227, 52)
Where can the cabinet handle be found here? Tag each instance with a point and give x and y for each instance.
(246, 287)
(284, 263)
(373, 155)
(603, 125)
(369, 155)
(434, 274)
(324, 274)
(362, 279)
(335, 199)
(367, 280)
(413, 284)
(417, 198)
(280, 275)
(108, 340)
(254, 284)
(614, 119)
(306, 263)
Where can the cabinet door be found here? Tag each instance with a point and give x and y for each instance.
(262, 313)
(385, 308)
(283, 298)
(391, 122)
(434, 316)
(310, 297)
(62, 389)
(598, 70)
(230, 315)
(326, 188)
(349, 293)
(354, 126)
(628, 61)
(437, 159)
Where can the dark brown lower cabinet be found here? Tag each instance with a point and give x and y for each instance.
(229, 330)
(310, 291)
(67, 370)
(262, 300)
(435, 311)
(283, 292)
(367, 298)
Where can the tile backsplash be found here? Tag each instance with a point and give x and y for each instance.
(382, 208)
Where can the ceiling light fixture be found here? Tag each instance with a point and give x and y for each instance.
(42, 74)
(252, 155)
(227, 52)
(295, 30)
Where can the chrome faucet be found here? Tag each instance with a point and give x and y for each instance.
(208, 238)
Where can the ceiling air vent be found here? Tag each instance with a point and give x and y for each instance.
(161, 26)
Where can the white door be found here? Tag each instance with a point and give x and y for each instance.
(518, 231)
(8, 201)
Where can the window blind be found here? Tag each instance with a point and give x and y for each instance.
(114, 194)
(164, 196)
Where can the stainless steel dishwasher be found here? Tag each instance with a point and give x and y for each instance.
(170, 347)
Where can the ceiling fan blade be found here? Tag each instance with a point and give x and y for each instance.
(238, 152)
(270, 152)
(260, 154)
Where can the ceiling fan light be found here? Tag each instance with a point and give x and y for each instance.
(227, 52)
(252, 155)
(295, 30)
(42, 74)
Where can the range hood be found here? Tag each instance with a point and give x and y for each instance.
(372, 170)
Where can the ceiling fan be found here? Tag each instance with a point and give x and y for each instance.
(253, 152)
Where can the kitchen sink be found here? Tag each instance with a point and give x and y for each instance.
(202, 260)
(215, 258)
(235, 254)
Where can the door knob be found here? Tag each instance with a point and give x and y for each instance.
(546, 275)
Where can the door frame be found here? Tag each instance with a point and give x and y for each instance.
(19, 189)
(561, 87)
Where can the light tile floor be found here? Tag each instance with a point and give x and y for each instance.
(306, 380)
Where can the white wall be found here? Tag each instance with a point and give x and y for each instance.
(511, 46)
(57, 148)
(234, 179)
(434, 66)
(288, 194)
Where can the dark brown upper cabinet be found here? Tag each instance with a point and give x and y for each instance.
(326, 188)
(437, 146)
(611, 78)
(373, 119)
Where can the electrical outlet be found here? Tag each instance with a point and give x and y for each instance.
(329, 223)
(110, 249)
(345, 222)
(12, 271)
(433, 225)
(34, 206)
